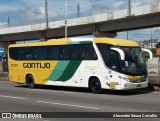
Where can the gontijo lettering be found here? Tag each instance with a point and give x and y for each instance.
(36, 65)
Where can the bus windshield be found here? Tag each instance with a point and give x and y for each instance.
(134, 63)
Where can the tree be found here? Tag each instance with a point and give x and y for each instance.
(158, 45)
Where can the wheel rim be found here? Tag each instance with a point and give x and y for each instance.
(30, 83)
(96, 86)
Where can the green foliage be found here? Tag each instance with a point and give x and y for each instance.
(154, 52)
(158, 45)
(146, 54)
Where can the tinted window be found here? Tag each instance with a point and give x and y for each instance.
(114, 60)
(40, 53)
(65, 53)
(21, 53)
(27, 53)
(14, 53)
(54, 53)
(87, 52)
(74, 52)
(110, 57)
(104, 50)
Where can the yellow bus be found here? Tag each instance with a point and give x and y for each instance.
(95, 63)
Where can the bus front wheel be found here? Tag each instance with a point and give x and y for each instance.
(95, 86)
(30, 81)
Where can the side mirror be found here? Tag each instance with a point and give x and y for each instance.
(121, 53)
(150, 53)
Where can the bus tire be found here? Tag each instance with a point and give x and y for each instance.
(30, 81)
(95, 86)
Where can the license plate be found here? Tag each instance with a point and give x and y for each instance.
(139, 85)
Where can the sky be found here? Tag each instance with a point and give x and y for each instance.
(24, 12)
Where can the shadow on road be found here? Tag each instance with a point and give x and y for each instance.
(85, 90)
(127, 92)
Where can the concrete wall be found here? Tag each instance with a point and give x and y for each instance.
(5, 46)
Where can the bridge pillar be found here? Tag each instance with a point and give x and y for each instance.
(104, 34)
(5, 46)
(43, 35)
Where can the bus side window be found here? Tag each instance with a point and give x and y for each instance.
(87, 52)
(74, 52)
(27, 53)
(65, 53)
(14, 53)
(104, 50)
(40, 53)
(54, 53)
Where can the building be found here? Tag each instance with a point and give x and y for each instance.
(148, 44)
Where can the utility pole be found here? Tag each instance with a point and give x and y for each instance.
(66, 12)
(8, 21)
(151, 41)
(129, 14)
(127, 35)
(46, 12)
(78, 10)
(129, 7)
(151, 35)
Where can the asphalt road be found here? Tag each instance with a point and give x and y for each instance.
(18, 98)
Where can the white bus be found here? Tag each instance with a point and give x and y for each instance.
(95, 63)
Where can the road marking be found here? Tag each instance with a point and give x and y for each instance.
(53, 91)
(53, 103)
(144, 91)
(63, 104)
(6, 82)
(13, 97)
(156, 92)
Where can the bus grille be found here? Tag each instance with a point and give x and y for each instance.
(138, 81)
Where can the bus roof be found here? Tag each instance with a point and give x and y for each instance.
(111, 41)
(116, 42)
(49, 42)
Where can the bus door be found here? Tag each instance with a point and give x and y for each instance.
(114, 67)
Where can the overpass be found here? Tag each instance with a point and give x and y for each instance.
(105, 24)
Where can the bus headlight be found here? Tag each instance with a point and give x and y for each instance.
(124, 78)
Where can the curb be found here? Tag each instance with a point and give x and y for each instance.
(4, 79)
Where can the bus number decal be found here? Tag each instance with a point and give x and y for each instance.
(14, 65)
